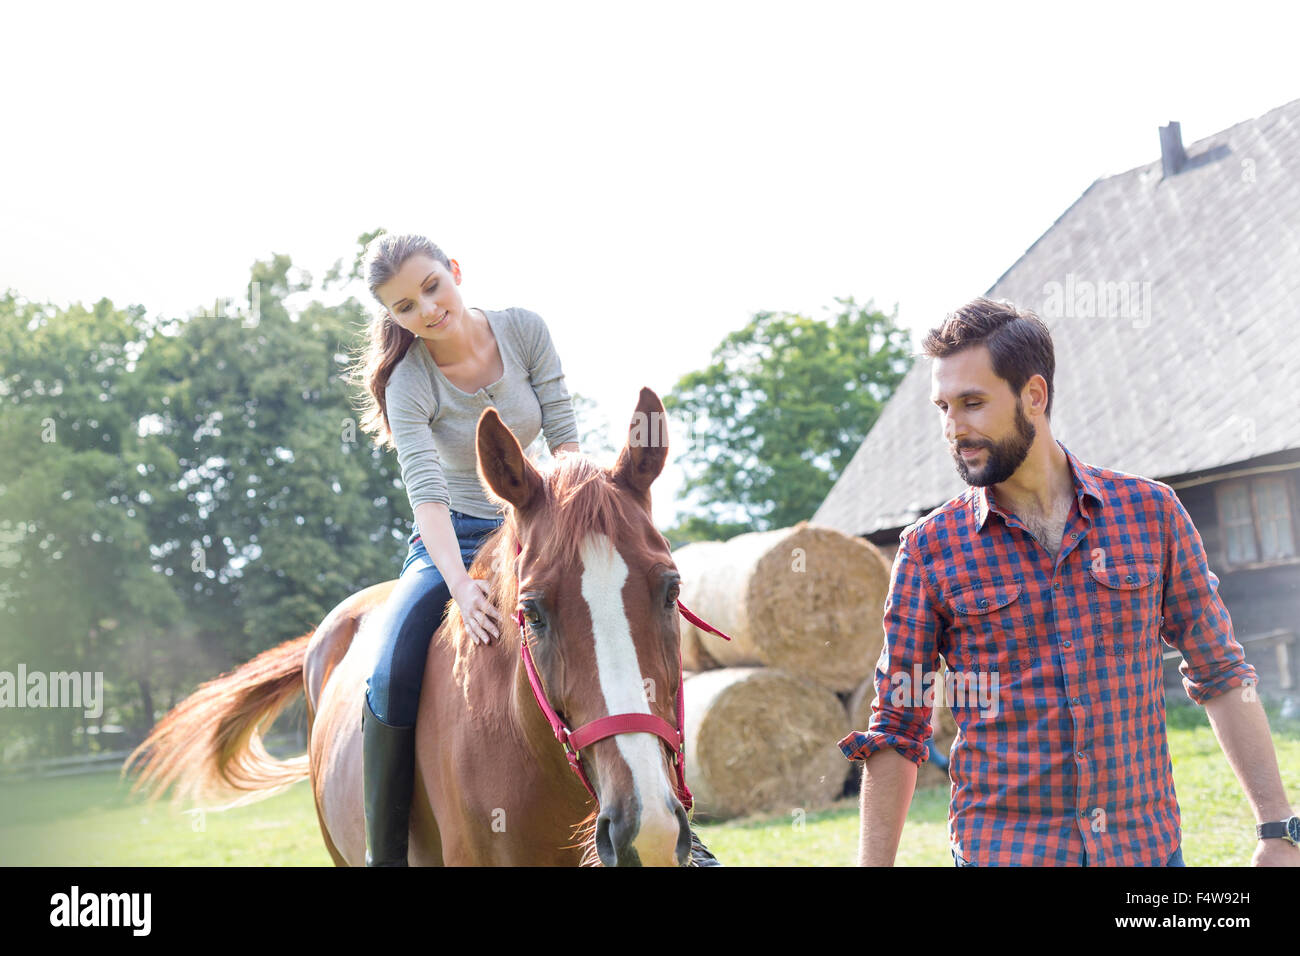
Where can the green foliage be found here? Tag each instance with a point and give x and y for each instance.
(178, 495)
(779, 412)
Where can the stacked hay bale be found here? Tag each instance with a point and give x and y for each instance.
(764, 712)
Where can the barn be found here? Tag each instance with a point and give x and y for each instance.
(1172, 292)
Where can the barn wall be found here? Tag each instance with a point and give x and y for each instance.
(1258, 599)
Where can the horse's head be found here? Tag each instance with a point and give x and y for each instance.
(598, 590)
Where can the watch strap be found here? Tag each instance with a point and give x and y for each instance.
(1288, 829)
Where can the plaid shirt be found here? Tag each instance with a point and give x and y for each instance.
(1063, 760)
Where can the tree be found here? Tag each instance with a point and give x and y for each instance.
(284, 506)
(176, 496)
(76, 594)
(778, 413)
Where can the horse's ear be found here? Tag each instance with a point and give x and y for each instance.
(502, 465)
(646, 451)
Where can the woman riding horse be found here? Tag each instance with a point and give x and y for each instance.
(431, 367)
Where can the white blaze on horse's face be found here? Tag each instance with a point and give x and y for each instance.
(604, 574)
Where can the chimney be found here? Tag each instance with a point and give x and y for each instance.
(1172, 156)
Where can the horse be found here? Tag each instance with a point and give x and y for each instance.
(579, 572)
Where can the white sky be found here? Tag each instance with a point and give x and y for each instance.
(645, 180)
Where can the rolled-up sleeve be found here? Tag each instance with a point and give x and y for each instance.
(547, 376)
(1195, 620)
(410, 416)
(912, 630)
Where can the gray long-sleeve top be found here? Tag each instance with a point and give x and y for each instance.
(433, 422)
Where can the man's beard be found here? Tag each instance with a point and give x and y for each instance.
(1002, 458)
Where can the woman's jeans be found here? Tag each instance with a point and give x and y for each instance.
(411, 614)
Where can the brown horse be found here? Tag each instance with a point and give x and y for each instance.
(597, 585)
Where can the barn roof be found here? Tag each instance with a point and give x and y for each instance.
(1199, 368)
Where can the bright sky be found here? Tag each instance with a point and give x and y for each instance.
(645, 176)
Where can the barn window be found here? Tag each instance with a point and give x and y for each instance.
(1255, 515)
(1238, 527)
(1275, 537)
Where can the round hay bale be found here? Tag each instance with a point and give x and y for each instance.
(941, 719)
(807, 600)
(760, 740)
(695, 655)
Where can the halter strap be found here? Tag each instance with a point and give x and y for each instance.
(602, 727)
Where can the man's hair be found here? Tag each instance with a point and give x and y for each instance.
(1019, 344)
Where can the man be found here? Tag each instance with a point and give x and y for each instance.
(1047, 587)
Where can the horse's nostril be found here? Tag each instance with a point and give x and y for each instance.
(684, 836)
(604, 842)
(614, 833)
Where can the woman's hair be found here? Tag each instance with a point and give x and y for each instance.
(385, 342)
(1019, 344)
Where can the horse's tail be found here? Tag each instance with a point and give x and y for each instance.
(209, 747)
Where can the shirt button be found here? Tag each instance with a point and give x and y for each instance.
(1067, 643)
(981, 602)
(1074, 534)
(1056, 586)
(1075, 699)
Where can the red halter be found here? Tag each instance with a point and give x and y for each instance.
(574, 740)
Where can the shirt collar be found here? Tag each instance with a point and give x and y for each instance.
(1086, 483)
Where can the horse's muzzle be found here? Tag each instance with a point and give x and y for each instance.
(621, 842)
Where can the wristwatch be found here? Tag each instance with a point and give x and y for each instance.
(1288, 829)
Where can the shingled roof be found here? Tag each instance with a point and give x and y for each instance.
(1173, 298)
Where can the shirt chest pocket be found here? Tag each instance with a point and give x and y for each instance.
(992, 629)
(1125, 601)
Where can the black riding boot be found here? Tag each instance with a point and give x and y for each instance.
(700, 855)
(388, 775)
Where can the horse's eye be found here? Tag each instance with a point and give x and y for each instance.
(532, 616)
(674, 590)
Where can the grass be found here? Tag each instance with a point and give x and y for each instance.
(91, 820)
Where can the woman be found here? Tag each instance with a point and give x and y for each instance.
(430, 369)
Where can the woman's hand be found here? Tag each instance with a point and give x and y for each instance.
(482, 619)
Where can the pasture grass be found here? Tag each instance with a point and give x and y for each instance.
(91, 820)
